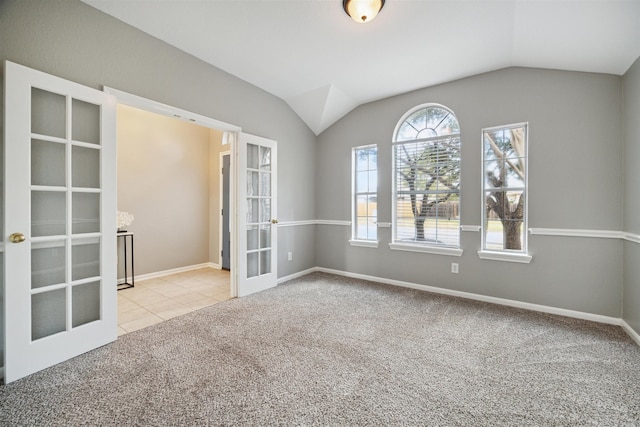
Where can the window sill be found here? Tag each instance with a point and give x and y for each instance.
(364, 243)
(426, 249)
(505, 256)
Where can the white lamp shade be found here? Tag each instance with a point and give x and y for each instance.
(362, 11)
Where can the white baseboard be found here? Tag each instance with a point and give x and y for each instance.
(494, 300)
(173, 271)
(214, 265)
(629, 330)
(296, 275)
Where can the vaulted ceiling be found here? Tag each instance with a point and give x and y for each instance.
(313, 56)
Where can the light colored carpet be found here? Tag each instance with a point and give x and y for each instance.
(327, 350)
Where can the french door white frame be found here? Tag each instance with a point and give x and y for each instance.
(257, 264)
(23, 353)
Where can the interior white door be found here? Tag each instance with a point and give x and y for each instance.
(60, 222)
(256, 224)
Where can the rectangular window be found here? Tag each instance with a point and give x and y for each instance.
(504, 168)
(365, 193)
(427, 191)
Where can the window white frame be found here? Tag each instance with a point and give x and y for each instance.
(424, 135)
(362, 186)
(490, 250)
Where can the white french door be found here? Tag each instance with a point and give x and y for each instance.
(256, 228)
(60, 222)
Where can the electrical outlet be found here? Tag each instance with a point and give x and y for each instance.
(454, 267)
(290, 256)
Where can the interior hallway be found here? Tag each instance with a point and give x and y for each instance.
(155, 300)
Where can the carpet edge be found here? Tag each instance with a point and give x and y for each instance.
(478, 297)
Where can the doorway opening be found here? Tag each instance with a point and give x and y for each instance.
(170, 180)
(225, 223)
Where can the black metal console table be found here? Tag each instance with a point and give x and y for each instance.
(124, 235)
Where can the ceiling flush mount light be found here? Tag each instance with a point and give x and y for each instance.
(362, 11)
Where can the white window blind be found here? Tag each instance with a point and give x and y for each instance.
(426, 161)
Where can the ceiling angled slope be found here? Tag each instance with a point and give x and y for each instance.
(313, 56)
(322, 107)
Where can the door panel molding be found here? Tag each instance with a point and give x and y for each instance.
(256, 214)
(82, 327)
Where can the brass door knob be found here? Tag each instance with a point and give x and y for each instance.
(274, 221)
(16, 238)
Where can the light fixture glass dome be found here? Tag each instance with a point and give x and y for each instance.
(362, 11)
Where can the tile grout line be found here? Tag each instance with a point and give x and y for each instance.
(211, 297)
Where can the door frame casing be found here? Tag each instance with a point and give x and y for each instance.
(152, 106)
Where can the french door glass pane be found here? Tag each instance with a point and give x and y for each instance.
(265, 158)
(86, 213)
(252, 264)
(258, 210)
(85, 260)
(252, 211)
(265, 184)
(85, 303)
(265, 236)
(252, 237)
(252, 183)
(48, 265)
(265, 209)
(265, 262)
(47, 163)
(48, 213)
(48, 113)
(48, 313)
(252, 156)
(85, 171)
(85, 122)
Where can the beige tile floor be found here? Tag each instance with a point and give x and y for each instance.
(155, 300)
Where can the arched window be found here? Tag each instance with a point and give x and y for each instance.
(426, 174)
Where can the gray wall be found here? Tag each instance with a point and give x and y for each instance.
(631, 125)
(74, 41)
(575, 159)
